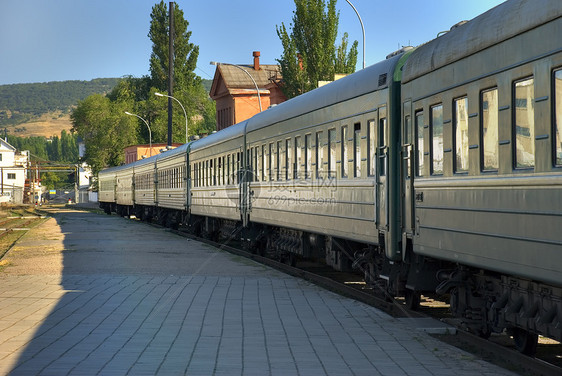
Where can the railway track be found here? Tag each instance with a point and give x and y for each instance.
(14, 223)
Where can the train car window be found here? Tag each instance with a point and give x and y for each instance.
(524, 115)
(222, 170)
(228, 169)
(217, 168)
(194, 174)
(270, 161)
(437, 140)
(288, 159)
(212, 164)
(278, 160)
(262, 164)
(557, 117)
(382, 145)
(238, 166)
(420, 143)
(257, 160)
(344, 154)
(308, 156)
(224, 173)
(319, 154)
(489, 129)
(371, 148)
(298, 158)
(357, 150)
(203, 174)
(332, 153)
(460, 139)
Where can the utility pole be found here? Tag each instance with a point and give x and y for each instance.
(170, 74)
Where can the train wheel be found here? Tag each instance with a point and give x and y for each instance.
(412, 299)
(525, 342)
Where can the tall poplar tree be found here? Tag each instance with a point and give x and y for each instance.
(310, 53)
(188, 87)
(185, 52)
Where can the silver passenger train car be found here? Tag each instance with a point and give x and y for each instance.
(438, 169)
(482, 177)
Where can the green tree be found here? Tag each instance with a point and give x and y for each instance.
(69, 148)
(188, 87)
(54, 149)
(185, 53)
(105, 129)
(309, 50)
(51, 180)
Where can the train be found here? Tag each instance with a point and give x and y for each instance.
(437, 170)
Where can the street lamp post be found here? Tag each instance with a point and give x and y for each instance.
(184, 113)
(149, 132)
(362, 28)
(215, 63)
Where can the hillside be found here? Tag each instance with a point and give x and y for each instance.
(43, 109)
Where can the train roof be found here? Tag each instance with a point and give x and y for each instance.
(236, 130)
(185, 148)
(141, 162)
(498, 24)
(115, 169)
(373, 78)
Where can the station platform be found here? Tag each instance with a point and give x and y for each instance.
(79, 297)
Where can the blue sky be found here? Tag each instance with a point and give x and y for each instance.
(57, 40)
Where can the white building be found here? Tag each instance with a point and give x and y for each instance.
(13, 170)
(85, 192)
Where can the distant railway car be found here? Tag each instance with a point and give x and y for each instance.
(106, 189)
(216, 172)
(144, 187)
(124, 193)
(171, 185)
(482, 173)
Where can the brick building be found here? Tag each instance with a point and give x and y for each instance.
(134, 153)
(235, 93)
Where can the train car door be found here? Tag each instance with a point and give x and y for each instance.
(407, 175)
(382, 171)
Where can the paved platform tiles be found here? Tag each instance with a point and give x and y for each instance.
(208, 325)
(83, 296)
